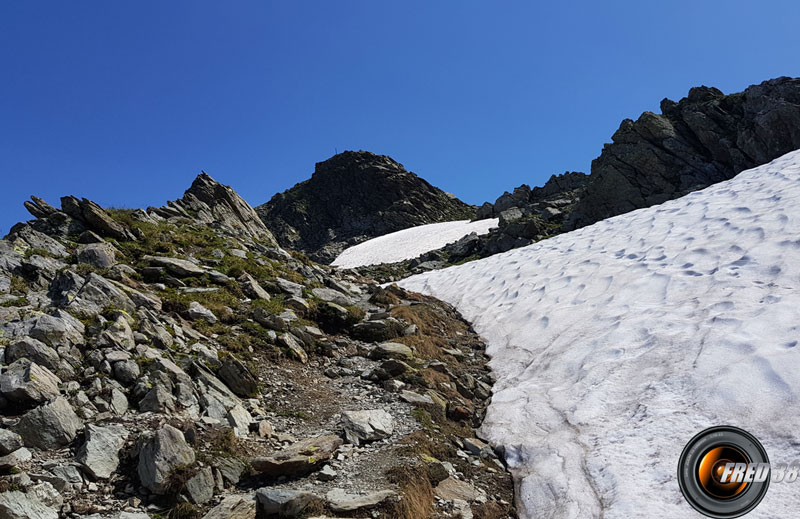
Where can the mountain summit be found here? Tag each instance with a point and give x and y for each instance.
(352, 197)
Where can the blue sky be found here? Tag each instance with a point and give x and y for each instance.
(125, 102)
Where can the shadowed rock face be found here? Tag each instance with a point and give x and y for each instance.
(704, 138)
(352, 197)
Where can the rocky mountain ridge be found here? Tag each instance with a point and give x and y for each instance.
(352, 197)
(704, 138)
(175, 362)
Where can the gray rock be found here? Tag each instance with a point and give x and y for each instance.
(415, 398)
(327, 474)
(9, 442)
(251, 287)
(298, 459)
(97, 294)
(269, 320)
(240, 420)
(289, 341)
(200, 487)
(212, 203)
(198, 311)
(177, 266)
(18, 505)
(275, 502)
(14, 459)
(332, 296)
(341, 501)
(99, 454)
(233, 507)
(158, 400)
(238, 378)
(289, 287)
(453, 489)
(94, 217)
(366, 426)
(391, 350)
(59, 329)
(25, 383)
(100, 255)
(230, 468)
(126, 371)
(378, 330)
(164, 452)
(35, 350)
(119, 402)
(50, 426)
(119, 335)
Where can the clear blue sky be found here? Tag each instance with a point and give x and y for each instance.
(125, 102)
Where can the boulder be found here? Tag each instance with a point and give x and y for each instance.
(200, 487)
(332, 296)
(252, 288)
(240, 420)
(378, 330)
(288, 341)
(59, 329)
(100, 255)
(198, 311)
(270, 320)
(298, 459)
(99, 454)
(160, 456)
(25, 383)
(126, 371)
(234, 507)
(36, 351)
(176, 266)
(50, 426)
(275, 502)
(237, 377)
(289, 287)
(18, 505)
(12, 461)
(118, 336)
(9, 441)
(391, 350)
(341, 501)
(453, 489)
(367, 426)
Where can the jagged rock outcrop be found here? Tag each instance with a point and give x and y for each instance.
(352, 197)
(705, 138)
(566, 186)
(211, 203)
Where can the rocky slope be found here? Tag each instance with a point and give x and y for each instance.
(175, 362)
(705, 138)
(352, 197)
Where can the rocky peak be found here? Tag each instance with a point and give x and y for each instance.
(352, 197)
(215, 204)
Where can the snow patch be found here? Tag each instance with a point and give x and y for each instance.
(410, 243)
(616, 343)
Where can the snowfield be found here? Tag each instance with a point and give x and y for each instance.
(410, 243)
(616, 343)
